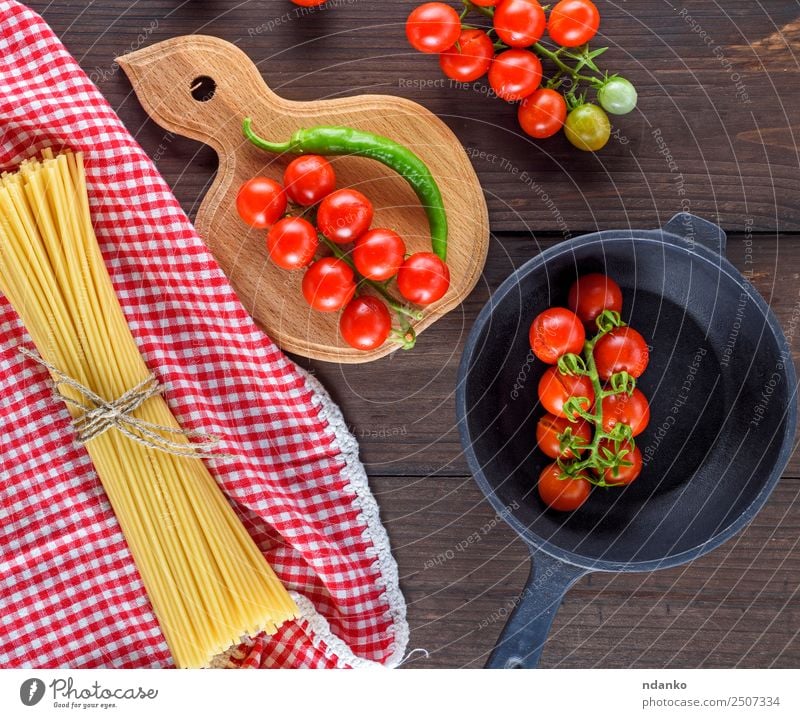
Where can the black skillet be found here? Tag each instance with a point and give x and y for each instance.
(722, 388)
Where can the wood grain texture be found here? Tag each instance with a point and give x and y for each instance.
(736, 162)
(163, 76)
(709, 75)
(461, 570)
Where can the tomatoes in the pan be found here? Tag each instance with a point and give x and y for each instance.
(560, 494)
(621, 349)
(591, 295)
(555, 389)
(555, 332)
(552, 430)
(633, 410)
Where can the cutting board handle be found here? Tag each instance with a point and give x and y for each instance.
(201, 87)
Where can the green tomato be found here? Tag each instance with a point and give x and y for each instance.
(618, 96)
(587, 127)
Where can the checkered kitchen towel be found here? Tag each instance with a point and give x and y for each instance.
(70, 594)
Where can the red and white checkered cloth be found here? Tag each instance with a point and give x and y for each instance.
(70, 594)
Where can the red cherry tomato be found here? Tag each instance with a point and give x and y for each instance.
(573, 22)
(343, 216)
(562, 494)
(555, 332)
(623, 475)
(556, 388)
(378, 254)
(622, 349)
(515, 74)
(542, 114)
(308, 3)
(470, 58)
(592, 294)
(308, 179)
(633, 410)
(261, 202)
(292, 242)
(423, 278)
(485, 3)
(550, 428)
(519, 23)
(365, 323)
(433, 27)
(328, 284)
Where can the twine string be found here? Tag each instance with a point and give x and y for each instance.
(98, 415)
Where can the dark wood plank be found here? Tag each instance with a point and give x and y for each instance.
(714, 79)
(401, 408)
(461, 570)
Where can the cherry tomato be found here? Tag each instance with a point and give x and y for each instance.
(542, 114)
(555, 332)
(592, 294)
(344, 215)
(470, 58)
(365, 323)
(292, 242)
(308, 3)
(633, 410)
(588, 128)
(622, 349)
(618, 96)
(573, 22)
(551, 427)
(308, 179)
(623, 475)
(378, 254)
(485, 3)
(562, 494)
(515, 74)
(555, 388)
(328, 284)
(423, 278)
(519, 23)
(433, 27)
(261, 202)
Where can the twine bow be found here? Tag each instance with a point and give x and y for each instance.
(98, 415)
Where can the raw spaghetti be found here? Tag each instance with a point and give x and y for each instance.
(208, 582)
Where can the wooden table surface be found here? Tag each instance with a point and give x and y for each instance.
(719, 89)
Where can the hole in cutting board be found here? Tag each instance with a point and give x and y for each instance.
(203, 88)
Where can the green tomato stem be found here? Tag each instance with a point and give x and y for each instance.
(593, 458)
(566, 69)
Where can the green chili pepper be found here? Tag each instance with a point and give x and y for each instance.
(349, 141)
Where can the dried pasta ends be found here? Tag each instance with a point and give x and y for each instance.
(207, 580)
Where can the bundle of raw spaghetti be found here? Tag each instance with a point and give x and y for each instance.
(208, 582)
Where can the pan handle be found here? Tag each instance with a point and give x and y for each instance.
(695, 229)
(523, 638)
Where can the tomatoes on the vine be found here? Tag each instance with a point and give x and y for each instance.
(617, 96)
(308, 179)
(555, 332)
(292, 242)
(365, 323)
(519, 23)
(630, 466)
(470, 58)
(308, 3)
(555, 389)
(588, 128)
(378, 254)
(621, 349)
(344, 215)
(328, 284)
(560, 494)
(515, 74)
(423, 278)
(542, 114)
(433, 27)
(592, 294)
(260, 202)
(550, 428)
(573, 22)
(633, 410)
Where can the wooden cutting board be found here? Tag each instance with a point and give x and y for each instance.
(203, 87)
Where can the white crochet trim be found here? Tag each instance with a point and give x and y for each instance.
(389, 580)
